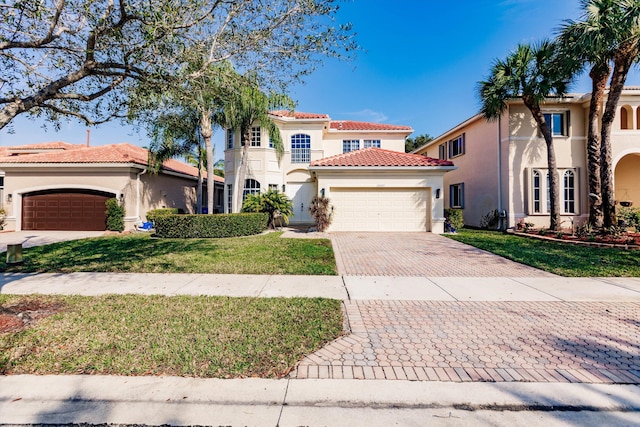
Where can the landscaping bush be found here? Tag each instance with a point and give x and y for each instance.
(491, 220)
(630, 217)
(154, 213)
(210, 226)
(273, 202)
(453, 217)
(115, 215)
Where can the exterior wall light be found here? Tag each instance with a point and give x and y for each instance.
(437, 193)
(9, 198)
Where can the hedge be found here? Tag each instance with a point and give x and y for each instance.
(454, 217)
(210, 226)
(115, 215)
(154, 213)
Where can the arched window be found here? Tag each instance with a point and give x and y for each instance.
(536, 191)
(300, 148)
(569, 192)
(626, 117)
(251, 186)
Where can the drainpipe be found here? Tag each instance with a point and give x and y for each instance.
(142, 172)
(503, 222)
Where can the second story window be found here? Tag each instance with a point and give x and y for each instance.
(456, 147)
(300, 148)
(349, 145)
(229, 138)
(371, 143)
(557, 123)
(255, 137)
(442, 151)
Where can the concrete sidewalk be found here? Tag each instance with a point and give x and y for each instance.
(26, 399)
(343, 288)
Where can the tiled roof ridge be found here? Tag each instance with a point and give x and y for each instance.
(379, 157)
(358, 125)
(298, 114)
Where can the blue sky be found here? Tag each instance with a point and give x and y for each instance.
(420, 65)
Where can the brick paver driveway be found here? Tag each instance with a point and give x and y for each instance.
(589, 342)
(419, 254)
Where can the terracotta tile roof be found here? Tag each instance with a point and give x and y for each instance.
(57, 145)
(349, 125)
(113, 153)
(298, 115)
(379, 157)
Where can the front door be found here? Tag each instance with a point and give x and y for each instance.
(301, 195)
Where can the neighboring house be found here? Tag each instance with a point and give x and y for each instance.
(361, 167)
(502, 165)
(60, 186)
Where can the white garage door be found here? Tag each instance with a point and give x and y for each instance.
(377, 209)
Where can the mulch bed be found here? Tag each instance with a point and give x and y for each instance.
(15, 317)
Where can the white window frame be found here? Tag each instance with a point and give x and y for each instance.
(256, 136)
(273, 187)
(300, 148)
(456, 191)
(569, 196)
(371, 143)
(457, 146)
(349, 145)
(229, 198)
(569, 191)
(564, 125)
(230, 133)
(251, 186)
(442, 151)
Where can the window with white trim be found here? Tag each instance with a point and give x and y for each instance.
(569, 185)
(557, 123)
(230, 138)
(371, 143)
(540, 197)
(251, 186)
(442, 151)
(273, 187)
(255, 136)
(456, 147)
(456, 195)
(300, 148)
(349, 145)
(229, 198)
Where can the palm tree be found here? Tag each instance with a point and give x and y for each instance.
(244, 108)
(178, 134)
(531, 73)
(607, 32)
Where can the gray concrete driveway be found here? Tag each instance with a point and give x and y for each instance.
(39, 238)
(419, 254)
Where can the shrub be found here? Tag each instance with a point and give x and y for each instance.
(3, 218)
(491, 220)
(115, 215)
(272, 202)
(154, 213)
(322, 212)
(210, 226)
(453, 218)
(630, 216)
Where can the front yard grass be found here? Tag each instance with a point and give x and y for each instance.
(211, 337)
(554, 257)
(139, 253)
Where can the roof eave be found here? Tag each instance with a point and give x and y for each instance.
(398, 131)
(377, 168)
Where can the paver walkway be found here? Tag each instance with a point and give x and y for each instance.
(589, 342)
(419, 254)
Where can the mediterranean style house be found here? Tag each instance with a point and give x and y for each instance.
(502, 165)
(361, 167)
(61, 186)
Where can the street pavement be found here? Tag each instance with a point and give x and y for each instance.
(510, 345)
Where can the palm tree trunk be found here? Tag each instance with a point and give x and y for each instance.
(599, 75)
(207, 133)
(622, 64)
(199, 188)
(242, 170)
(554, 192)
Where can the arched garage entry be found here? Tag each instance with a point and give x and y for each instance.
(65, 209)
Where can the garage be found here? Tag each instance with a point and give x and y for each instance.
(76, 210)
(375, 209)
(381, 190)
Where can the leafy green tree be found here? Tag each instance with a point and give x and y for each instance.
(607, 33)
(531, 73)
(411, 144)
(247, 106)
(273, 202)
(79, 58)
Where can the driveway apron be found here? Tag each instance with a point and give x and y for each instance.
(419, 254)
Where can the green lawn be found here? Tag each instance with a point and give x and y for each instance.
(562, 259)
(140, 253)
(213, 337)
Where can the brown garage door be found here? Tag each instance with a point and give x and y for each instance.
(64, 210)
